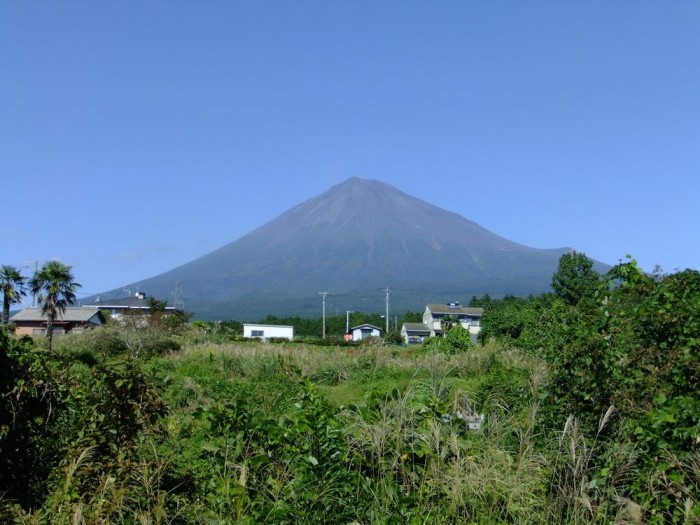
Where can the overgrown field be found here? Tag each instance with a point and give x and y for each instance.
(589, 404)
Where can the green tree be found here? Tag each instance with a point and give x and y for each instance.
(447, 323)
(12, 283)
(459, 338)
(156, 305)
(483, 302)
(575, 279)
(30, 400)
(507, 319)
(55, 289)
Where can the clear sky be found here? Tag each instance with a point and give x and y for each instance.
(137, 136)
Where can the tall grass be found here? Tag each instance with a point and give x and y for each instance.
(405, 446)
(125, 495)
(415, 446)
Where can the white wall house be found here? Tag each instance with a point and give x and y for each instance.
(268, 331)
(364, 331)
(469, 318)
(414, 333)
(133, 304)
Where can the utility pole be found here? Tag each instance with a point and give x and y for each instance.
(387, 309)
(347, 320)
(323, 300)
(34, 262)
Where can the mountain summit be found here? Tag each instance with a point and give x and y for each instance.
(355, 239)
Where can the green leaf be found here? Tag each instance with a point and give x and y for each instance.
(209, 447)
(260, 459)
(660, 399)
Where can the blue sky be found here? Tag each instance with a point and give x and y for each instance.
(137, 136)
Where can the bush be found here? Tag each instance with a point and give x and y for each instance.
(393, 338)
(108, 342)
(161, 346)
(459, 339)
(331, 375)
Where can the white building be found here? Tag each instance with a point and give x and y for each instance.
(364, 331)
(414, 333)
(435, 316)
(268, 331)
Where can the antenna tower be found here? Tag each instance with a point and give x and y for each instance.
(178, 301)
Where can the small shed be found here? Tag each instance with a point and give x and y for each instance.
(268, 331)
(364, 331)
(414, 333)
(31, 321)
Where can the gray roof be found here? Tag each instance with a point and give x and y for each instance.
(366, 325)
(133, 301)
(416, 327)
(81, 314)
(123, 302)
(447, 309)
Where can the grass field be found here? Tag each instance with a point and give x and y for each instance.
(254, 432)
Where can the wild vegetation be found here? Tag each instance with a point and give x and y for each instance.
(589, 398)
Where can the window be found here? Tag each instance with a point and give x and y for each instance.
(257, 333)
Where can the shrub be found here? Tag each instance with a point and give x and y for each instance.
(393, 338)
(459, 339)
(108, 341)
(161, 346)
(330, 375)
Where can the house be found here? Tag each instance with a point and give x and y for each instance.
(364, 331)
(414, 333)
(134, 304)
(31, 321)
(434, 318)
(435, 315)
(268, 331)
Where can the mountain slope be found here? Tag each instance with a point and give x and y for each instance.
(353, 240)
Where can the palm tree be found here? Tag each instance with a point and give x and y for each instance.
(13, 288)
(55, 288)
(156, 305)
(448, 322)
